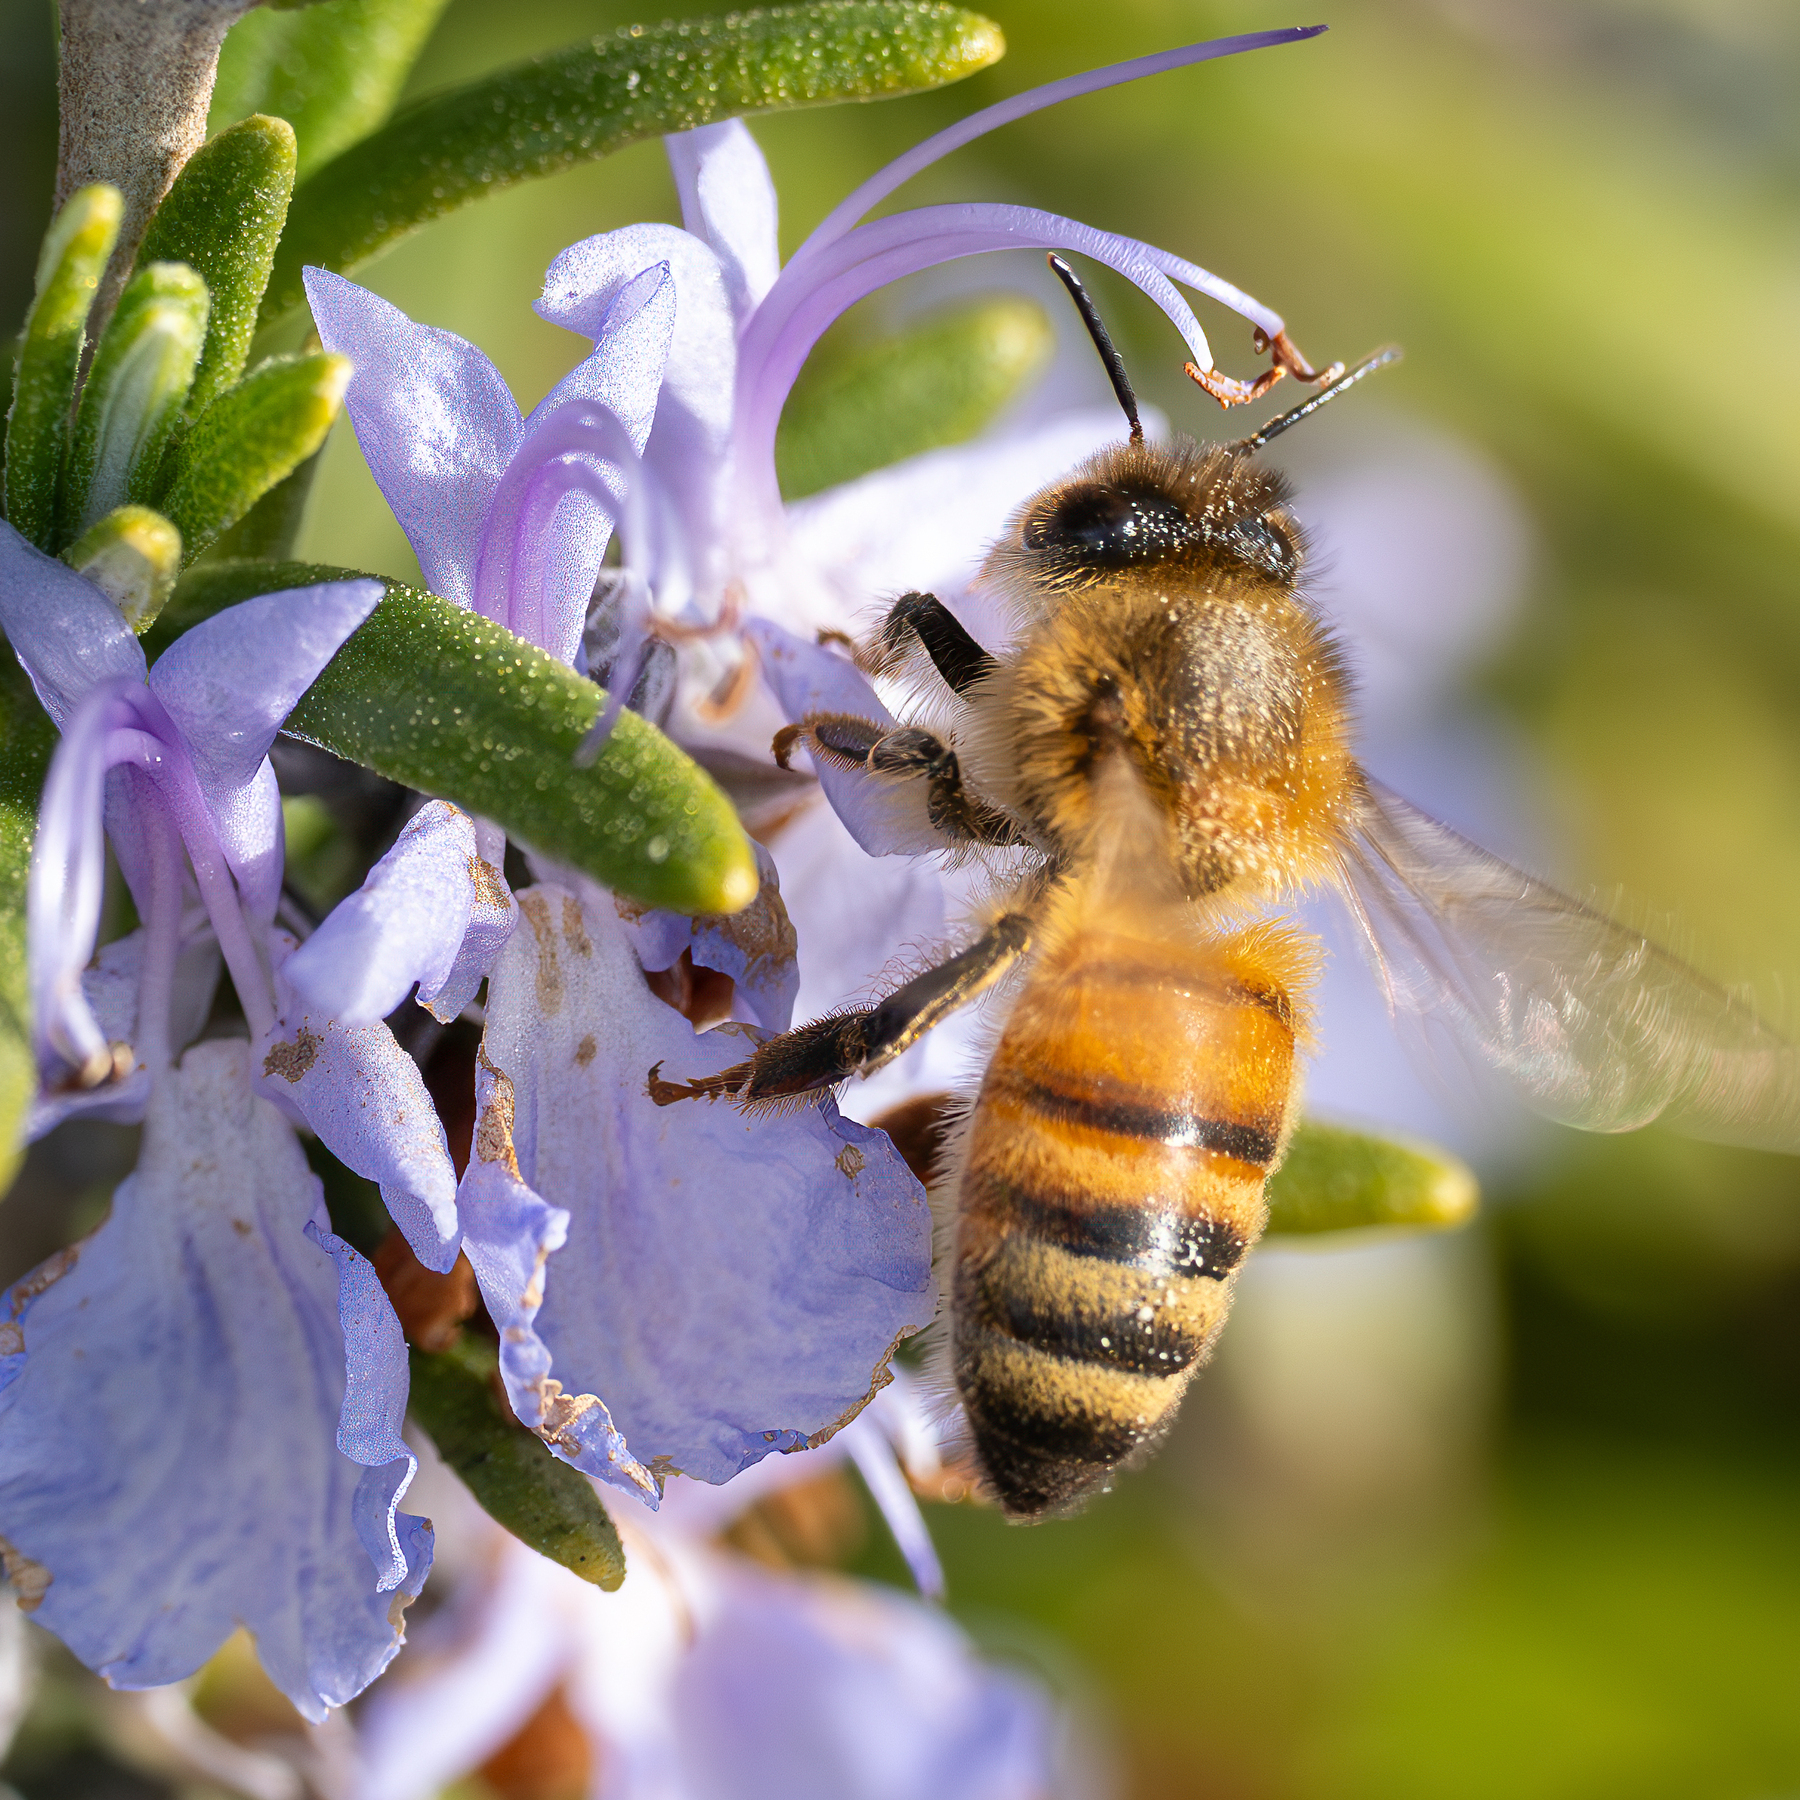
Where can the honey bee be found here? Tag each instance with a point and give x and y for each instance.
(1167, 746)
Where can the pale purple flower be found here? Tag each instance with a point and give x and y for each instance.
(200, 1403)
(682, 1288)
(706, 1677)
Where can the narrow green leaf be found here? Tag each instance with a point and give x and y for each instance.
(333, 72)
(939, 383)
(1335, 1179)
(250, 438)
(542, 1502)
(271, 528)
(591, 99)
(134, 394)
(450, 703)
(27, 739)
(223, 218)
(133, 555)
(37, 425)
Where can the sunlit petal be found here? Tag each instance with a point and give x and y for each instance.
(730, 1284)
(168, 1461)
(435, 422)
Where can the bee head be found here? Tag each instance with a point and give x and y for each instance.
(1140, 505)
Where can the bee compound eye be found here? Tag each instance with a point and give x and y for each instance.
(1108, 527)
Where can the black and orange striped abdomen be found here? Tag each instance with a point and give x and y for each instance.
(1112, 1182)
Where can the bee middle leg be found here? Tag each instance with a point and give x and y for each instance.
(910, 753)
(828, 1051)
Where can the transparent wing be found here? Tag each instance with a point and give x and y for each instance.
(1590, 1023)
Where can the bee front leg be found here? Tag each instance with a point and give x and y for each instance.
(828, 1051)
(954, 654)
(909, 753)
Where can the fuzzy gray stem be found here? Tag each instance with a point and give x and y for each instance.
(136, 81)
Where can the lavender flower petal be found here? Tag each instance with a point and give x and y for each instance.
(686, 450)
(886, 816)
(365, 1098)
(375, 1388)
(168, 1469)
(509, 1233)
(438, 1716)
(66, 632)
(731, 1285)
(431, 913)
(575, 474)
(435, 421)
(869, 1693)
(227, 685)
(728, 201)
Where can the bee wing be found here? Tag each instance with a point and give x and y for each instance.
(1592, 1024)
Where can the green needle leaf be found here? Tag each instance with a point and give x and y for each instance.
(223, 217)
(542, 1502)
(940, 383)
(333, 71)
(37, 427)
(26, 740)
(1334, 1179)
(133, 555)
(591, 99)
(248, 439)
(134, 393)
(447, 702)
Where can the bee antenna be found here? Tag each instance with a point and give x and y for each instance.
(1115, 363)
(1276, 426)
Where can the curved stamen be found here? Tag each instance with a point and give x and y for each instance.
(903, 168)
(779, 338)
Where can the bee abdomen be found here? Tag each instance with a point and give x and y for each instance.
(1111, 1188)
(1119, 1285)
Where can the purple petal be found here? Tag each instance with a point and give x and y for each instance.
(728, 200)
(66, 632)
(438, 1716)
(754, 947)
(365, 1098)
(730, 1285)
(375, 1389)
(430, 913)
(886, 815)
(227, 685)
(168, 1460)
(508, 1234)
(574, 475)
(686, 450)
(435, 421)
(868, 1693)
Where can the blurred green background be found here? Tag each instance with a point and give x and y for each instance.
(1512, 1513)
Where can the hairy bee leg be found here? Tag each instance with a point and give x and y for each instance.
(954, 654)
(828, 1051)
(914, 1008)
(949, 805)
(909, 753)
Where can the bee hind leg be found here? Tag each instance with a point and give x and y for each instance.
(831, 1050)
